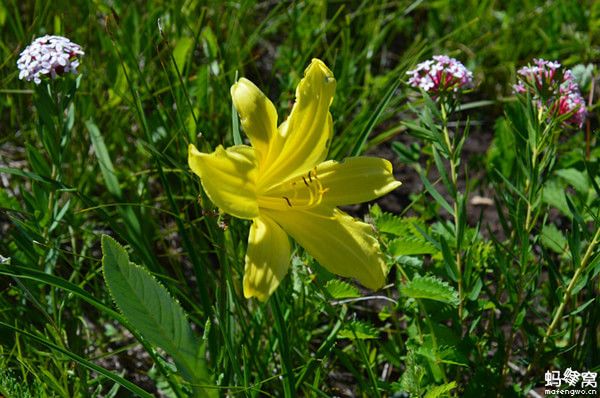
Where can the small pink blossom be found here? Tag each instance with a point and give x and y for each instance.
(440, 74)
(552, 87)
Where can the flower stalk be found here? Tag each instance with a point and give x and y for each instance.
(452, 160)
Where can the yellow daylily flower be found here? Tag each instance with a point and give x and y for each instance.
(283, 185)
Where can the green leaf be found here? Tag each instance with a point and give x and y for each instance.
(182, 50)
(235, 121)
(106, 166)
(577, 179)
(552, 238)
(409, 261)
(554, 195)
(405, 153)
(372, 122)
(410, 246)
(150, 309)
(581, 307)
(410, 241)
(431, 288)
(441, 391)
(398, 226)
(391, 224)
(358, 330)
(339, 289)
(435, 194)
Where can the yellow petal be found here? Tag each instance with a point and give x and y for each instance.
(267, 258)
(304, 137)
(257, 116)
(228, 177)
(355, 180)
(340, 243)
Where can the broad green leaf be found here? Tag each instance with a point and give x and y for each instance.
(431, 288)
(410, 246)
(339, 289)
(358, 330)
(391, 224)
(151, 310)
(577, 179)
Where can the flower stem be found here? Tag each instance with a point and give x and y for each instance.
(567, 294)
(454, 178)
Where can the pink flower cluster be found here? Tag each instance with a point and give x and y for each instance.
(49, 56)
(553, 87)
(441, 74)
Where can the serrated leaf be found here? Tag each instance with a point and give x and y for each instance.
(391, 224)
(431, 288)
(410, 246)
(152, 311)
(552, 238)
(339, 289)
(358, 330)
(399, 226)
(440, 391)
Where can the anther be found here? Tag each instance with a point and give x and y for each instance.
(288, 201)
(304, 179)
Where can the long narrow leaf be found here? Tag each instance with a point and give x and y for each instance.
(364, 134)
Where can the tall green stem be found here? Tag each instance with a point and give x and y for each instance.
(567, 294)
(454, 178)
(565, 299)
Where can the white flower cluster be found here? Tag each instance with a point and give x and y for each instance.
(48, 56)
(440, 74)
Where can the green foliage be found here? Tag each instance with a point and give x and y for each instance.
(339, 289)
(441, 391)
(407, 241)
(358, 330)
(430, 288)
(151, 310)
(553, 239)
